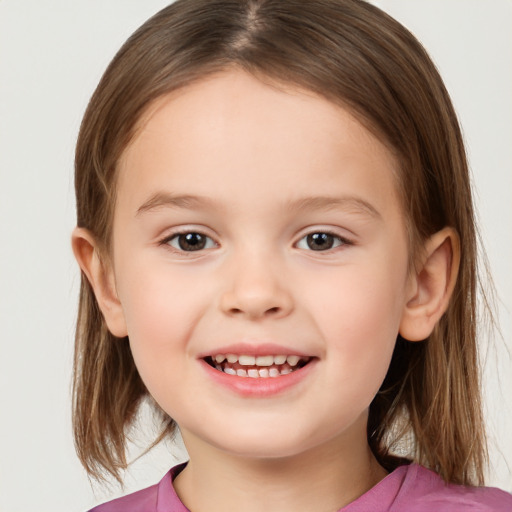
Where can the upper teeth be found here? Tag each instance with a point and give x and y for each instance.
(245, 360)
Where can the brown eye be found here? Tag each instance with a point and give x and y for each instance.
(321, 241)
(191, 242)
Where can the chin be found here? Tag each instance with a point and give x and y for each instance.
(266, 447)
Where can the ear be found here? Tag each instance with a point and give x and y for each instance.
(100, 275)
(431, 285)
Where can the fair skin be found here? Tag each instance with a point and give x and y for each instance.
(249, 170)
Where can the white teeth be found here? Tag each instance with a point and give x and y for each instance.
(265, 366)
(292, 360)
(247, 360)
(264, 361)
(256, 373)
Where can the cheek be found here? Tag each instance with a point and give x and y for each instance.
(359, 317)
(161, 313)
(161, 308)
(357, 304)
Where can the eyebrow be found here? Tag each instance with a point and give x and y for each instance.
(164, 199)
(350, 203)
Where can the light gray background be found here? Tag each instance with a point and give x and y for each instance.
(52, 54)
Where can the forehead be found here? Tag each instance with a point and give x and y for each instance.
(225, 134)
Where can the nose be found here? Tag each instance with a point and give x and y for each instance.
(255, 290)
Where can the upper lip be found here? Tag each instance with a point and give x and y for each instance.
(254, 349)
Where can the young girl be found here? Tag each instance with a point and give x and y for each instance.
(276, 234)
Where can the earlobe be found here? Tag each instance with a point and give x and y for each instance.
(101, 278)
(431, 285)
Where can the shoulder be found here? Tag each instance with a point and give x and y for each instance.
(144, 500)
(156, 498)
(423, 490)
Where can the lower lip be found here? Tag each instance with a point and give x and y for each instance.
(262, 386)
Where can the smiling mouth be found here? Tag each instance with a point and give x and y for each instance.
(257, 367)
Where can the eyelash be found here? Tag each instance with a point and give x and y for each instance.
(338, 240)
(175, 236)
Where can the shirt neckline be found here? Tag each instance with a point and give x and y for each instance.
(383, 493)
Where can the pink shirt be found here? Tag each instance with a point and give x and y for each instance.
(407, 489)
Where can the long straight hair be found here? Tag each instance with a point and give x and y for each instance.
(350, 52)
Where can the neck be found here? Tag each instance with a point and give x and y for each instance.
(323, 479)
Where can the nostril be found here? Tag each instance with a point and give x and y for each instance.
(254, 303)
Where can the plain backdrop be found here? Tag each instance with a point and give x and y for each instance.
(52, 54)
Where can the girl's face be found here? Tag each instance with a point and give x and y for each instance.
(253, 223)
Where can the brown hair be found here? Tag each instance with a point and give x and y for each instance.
(355, 55)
